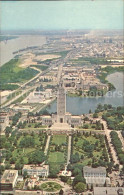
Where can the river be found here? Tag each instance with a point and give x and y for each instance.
(82, 105)
(8, 47)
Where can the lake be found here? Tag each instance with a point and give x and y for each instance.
(82, 105)
(7, 48)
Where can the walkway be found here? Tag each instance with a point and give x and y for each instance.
(69, 149)
(107, 133)
(121, 138)
(47, 145)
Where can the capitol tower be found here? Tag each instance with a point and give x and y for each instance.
(61, 104)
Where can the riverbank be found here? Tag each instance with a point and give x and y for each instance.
(91, 93)
(107, 71)
(21, 42)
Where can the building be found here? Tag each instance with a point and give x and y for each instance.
(63, 120)
(33, 170)
(26, 192)
(61, 104)
(8, 180)
(108, 191)
(46, 120)
(4, 121)
(95, 176)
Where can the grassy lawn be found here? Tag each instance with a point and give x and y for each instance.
(56, 157)
(59, 139)
(50, 186)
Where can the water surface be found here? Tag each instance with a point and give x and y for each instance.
(82, 105)
(7, 48)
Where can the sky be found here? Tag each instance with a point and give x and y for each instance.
(53, 15)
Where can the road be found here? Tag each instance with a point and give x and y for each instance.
(69, 149)
(18, 96)
(121, 138)
(107, 133)
(43, 106)
(60, 67)
(47, 145)
(23, 86)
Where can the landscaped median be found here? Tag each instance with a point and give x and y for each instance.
(57, 155)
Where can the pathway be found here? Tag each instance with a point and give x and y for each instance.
(47, 145)
(107, 133)
(69, 149)
(121, 138)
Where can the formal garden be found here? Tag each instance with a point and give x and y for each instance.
(50, 187)
(89, 149)
(23, 148)
(57, 155)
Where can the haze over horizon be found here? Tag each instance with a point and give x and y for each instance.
(61, 15)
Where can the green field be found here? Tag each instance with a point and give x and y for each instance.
(12, 73)
(59, 139)
(56, 157)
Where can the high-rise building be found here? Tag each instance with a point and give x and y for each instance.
(61, 104)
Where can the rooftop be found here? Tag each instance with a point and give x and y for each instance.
(94, 170)
(108, 191)
(36, 167)
(9, 176)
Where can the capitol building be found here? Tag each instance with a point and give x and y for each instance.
(62, 120)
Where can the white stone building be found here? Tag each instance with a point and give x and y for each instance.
(95, 176)
(8, 180)
(62, 118)
(33, 170)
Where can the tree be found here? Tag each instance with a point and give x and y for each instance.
(54, 170)
(77, 171)
(8, 130)
(80, 187)
(75, 158)
(25, 174)
(78, 179)
(95, 115)
(64, 178)
(61, 192)
(2, 169)
(18, 165)
(90, 111)
(37, 157)
(85, 126)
